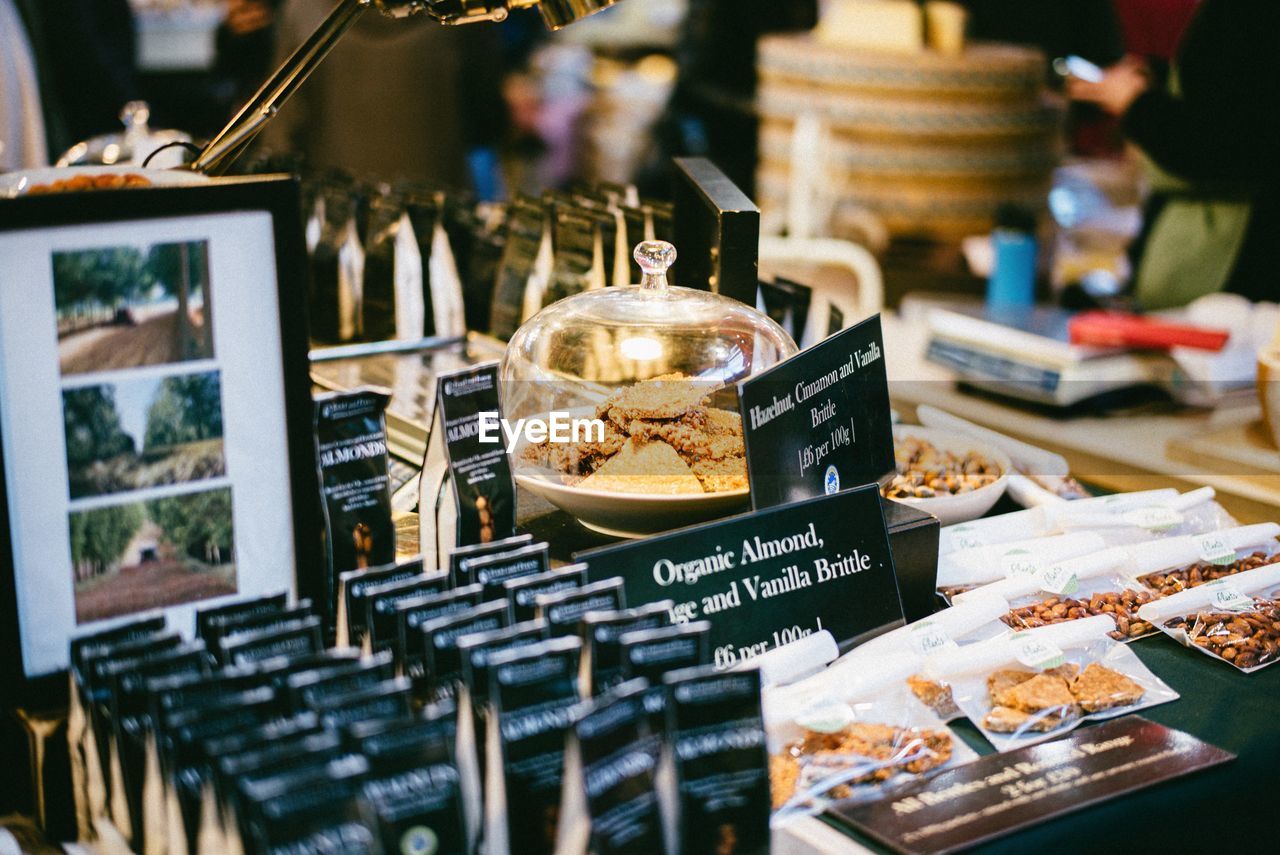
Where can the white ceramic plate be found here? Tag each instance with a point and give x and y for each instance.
(634, 515)
(961, 507)
(626, 514)
(16, 183)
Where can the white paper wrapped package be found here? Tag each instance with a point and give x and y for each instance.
(981, 565)
(1040, 521)
(1120, 519)
(1120, 580)
(1040, 684)
(1235, 619)
(1194, 512)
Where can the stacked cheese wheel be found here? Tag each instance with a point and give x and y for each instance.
(931, 143)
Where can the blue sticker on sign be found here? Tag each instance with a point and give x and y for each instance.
(831, 481)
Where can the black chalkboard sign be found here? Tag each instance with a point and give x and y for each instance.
(768, 578)
(819, 422)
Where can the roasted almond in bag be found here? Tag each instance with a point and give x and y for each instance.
(602, 654)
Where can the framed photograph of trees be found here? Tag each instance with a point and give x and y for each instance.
(155, 412)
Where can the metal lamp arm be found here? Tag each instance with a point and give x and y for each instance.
(221, 151)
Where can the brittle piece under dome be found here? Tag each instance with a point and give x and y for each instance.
(654, 368)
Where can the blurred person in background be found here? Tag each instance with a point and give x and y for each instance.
(91, 51)
(246, 45)
(1086, 28)
(22, 136)
(712, 111)
(1211, 138)
(396, 99)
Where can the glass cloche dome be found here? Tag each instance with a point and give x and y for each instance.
(643, 380)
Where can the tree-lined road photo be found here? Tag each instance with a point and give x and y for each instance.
(144, 555)
(126, 307)
(143, 432)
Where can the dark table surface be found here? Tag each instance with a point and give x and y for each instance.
(1219, 705)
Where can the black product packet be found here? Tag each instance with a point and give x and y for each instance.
(131, 721)
(131, 714)
(382, 606)
(477, 550)
(284, 731)
(521, 593)
(224, 629)
(716, 736)
(134, 630)
(767, 578)
(354, 585)
(326, 275)
(235, 774)
(835, 319)
(185, 764)
(787, 304)
(390, 699)
(819, 422)
(313, 811)
(95, 691)
(424, 211)
(526, 226)
(578, 254)
(563, 612)
(296, 638)
(206, 618)
(442, 662)
(294, 727)
(619, 760)
(475, 651)
(311, 689)
(378, 286)
(717, 228)
(79, 725)
(652, 653)
(492, 571)
(601, 652)
(413, 795)
(479, 471)
(276, 672)
(533, 692)
(351, 453)
(415, 613)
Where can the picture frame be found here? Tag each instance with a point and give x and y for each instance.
(155, 413)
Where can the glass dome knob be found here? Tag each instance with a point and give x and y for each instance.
(655, 258)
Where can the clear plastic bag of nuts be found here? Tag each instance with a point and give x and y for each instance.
(1119, 581)
(835, 746)
(1028, 687)
(1084, 587)
(1235, 619)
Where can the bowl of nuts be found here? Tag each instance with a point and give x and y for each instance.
(951, 476)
